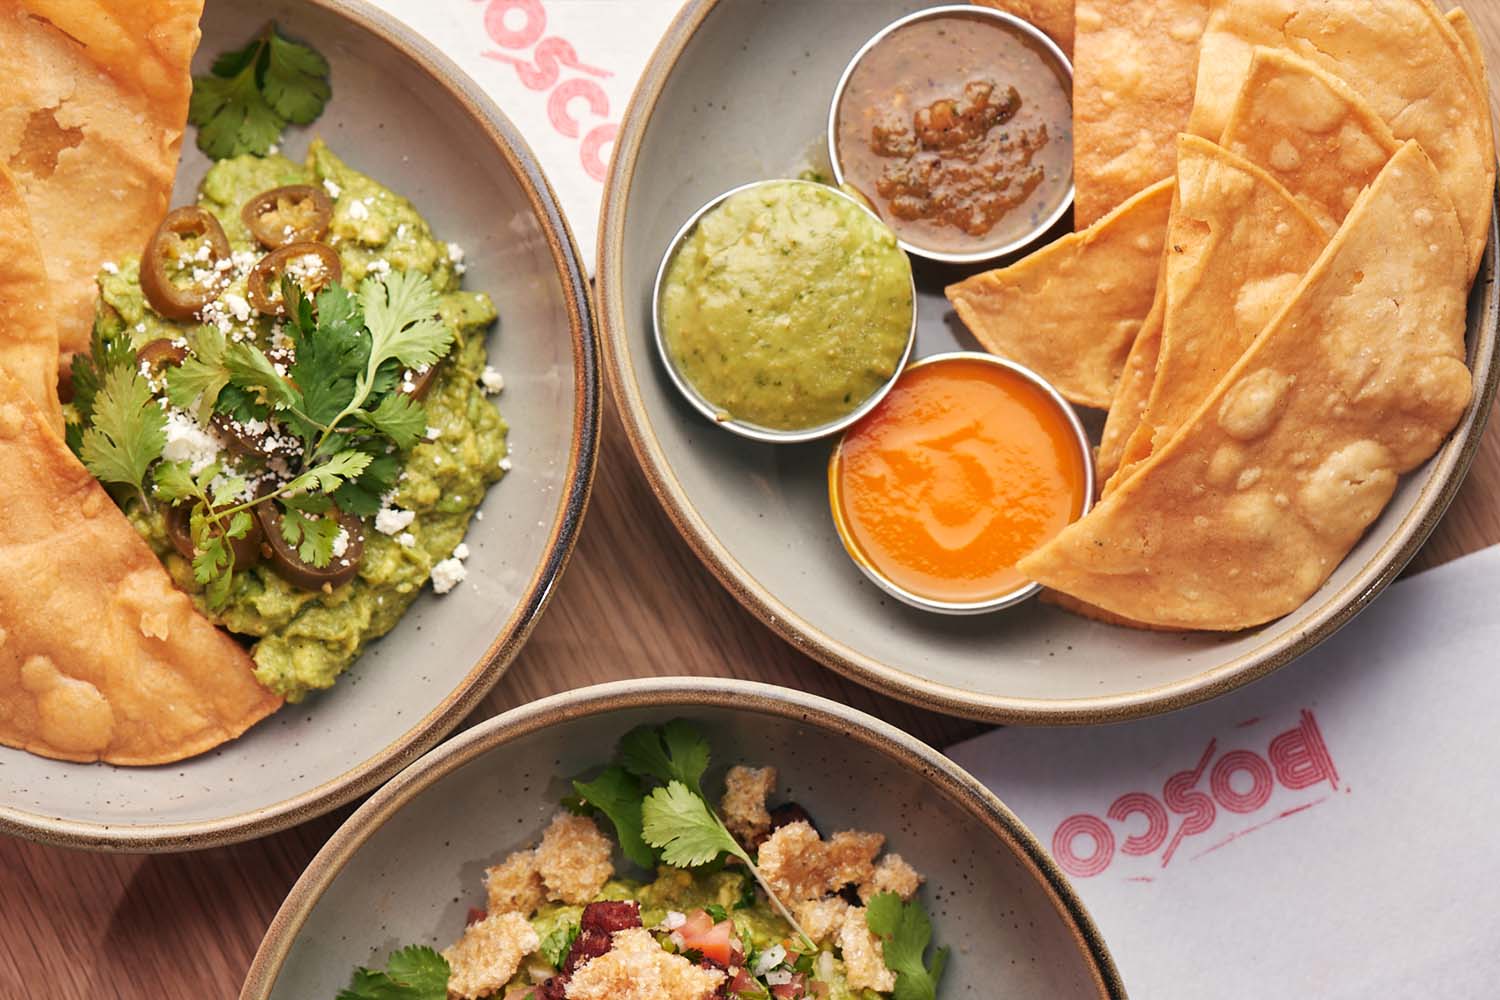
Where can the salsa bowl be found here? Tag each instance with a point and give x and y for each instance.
(404, 113)
(405, 867)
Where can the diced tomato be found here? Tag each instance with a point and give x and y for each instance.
(475, 915)
(715, 941)
(742, 982)
(794, 990)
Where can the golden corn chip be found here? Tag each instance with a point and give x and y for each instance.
(101, 657)
(1071, 310)
(1244, 514)
(1054, 17)
(95, 98)
(28, 336)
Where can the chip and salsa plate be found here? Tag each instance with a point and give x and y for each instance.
(1216, 477)
(301, 615)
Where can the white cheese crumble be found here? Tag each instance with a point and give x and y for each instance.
(460, 551)
(505, 465)
(359, 209)
(187, 442)
(341, 542)
(447, 574)
(393, 521)
(332, 187)
(405, 540)
(492, 380)
(238, 307)
(110, 267)
(379, 265)
(433, 433)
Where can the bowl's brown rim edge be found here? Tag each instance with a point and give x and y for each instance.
(962, 789)
(1438, 492)
(563, 534)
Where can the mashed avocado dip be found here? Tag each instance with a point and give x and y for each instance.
(306, 638)
(787, 306)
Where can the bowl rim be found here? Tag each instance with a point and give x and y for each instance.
(1452, 462)
(957, 785)
(988, 605)
(1017, 24)
(563, 532)
(701, 403)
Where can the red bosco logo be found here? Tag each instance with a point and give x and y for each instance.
(1192, 802)
(542, 63)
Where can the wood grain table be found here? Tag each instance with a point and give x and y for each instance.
(635, 602)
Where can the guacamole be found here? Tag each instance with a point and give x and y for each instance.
(306, 637)
(787, 306)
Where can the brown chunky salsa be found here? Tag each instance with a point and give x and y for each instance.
(958, 128)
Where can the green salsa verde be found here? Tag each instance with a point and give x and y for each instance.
(787, 306)
(305, 639)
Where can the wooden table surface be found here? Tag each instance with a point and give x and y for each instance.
(635, 602)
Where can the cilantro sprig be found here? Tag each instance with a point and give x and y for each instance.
(251, 94)
(674, 817)
(128, 430)
(905, 932)
(414, 973)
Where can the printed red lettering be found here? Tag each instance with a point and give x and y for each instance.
(1141, 804)
(557, 104)
(1221, 781)
(534, 23)
(546, 65)
(1301, 758)
(591, 152)
(1182, 799)
(1068, 832)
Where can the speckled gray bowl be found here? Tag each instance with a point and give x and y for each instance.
(403, 113)
(738, 91)
(407, 866)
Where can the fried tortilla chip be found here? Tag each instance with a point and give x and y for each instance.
(1054, 17)
(1309, 130)
(1129, 404)
(1242, 516)
(1135, 62)
(28, 337)
(1071, 310)
(1237, 246)
(1473, 53)
(101, 657)
(95, 96)
(1401, 56)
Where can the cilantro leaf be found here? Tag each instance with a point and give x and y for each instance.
(401, 310)
(313, 536)
(202, 375)
(128, 432)
(362, 496)
(906, 932)
(174, 482)
(414, 973)
(296, 81)
(249, 368)
(330, 474)
(673, 752)
(556, 945)
(400, 418)
(105, 354)
(677, 820)
(331, 350)
(242, 105)
(617, 794)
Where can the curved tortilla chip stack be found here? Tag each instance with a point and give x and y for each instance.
(1237, 247)
(1242, 516)
(1054, 17)
(101, 657)
(1135, 61)
(1071, 310)
(1402, 56)
(93, 104)
(28, 335)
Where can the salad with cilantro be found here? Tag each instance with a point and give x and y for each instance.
(733, 897)
(287, 394)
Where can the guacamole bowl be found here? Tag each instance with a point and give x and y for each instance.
(407, 866)
(408, 118)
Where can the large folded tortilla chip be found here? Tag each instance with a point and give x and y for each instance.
(101, 657)
(1054, 17)
(1310, 131)
(1237, 246)
(1129, 404)
(1402, 56)
(93, 104)
(28, 335)
(1473, 52)
(1242, 516)
(1071, 310)
(1135, 62)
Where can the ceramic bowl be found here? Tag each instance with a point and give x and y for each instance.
(407, 866)
(744, 428)
(403, 113)
(738, 92)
